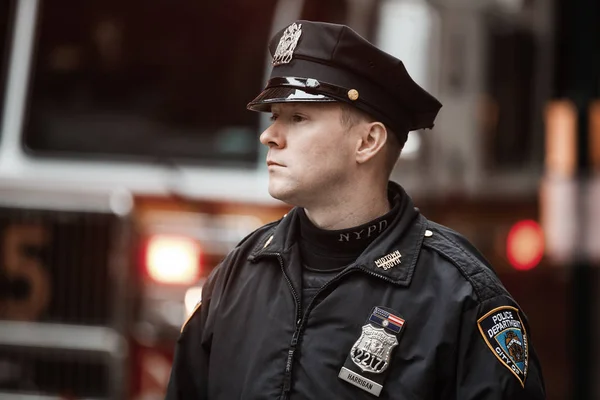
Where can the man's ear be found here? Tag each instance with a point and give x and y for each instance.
(373, 136)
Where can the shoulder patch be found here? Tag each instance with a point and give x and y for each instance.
(504, 333)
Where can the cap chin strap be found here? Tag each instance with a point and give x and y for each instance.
(311, 85)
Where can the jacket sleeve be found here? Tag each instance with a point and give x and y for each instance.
(189, 373)
(496, 359)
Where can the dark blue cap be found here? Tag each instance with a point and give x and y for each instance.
(323, 62)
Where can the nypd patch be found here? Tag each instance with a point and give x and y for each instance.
(504, 333)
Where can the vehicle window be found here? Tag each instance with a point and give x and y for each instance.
(509, 131)
(148, 79)
(6, 21)
(334, 11)
(360, 15)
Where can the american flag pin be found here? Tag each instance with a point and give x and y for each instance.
(386, 319)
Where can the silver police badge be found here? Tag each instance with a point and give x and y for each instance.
(287, 44)
(372, 350)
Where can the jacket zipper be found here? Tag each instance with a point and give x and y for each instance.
(299, 322)
(287, 378)
(287, 279)
(300, 325)
(364, 269)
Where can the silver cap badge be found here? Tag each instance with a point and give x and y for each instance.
(287, 44)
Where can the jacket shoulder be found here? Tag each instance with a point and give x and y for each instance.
(463, 256)
(225, 269)
(258, 238)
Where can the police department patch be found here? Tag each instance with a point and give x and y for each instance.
(504, 333)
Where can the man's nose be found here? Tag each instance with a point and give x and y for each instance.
(273, 137)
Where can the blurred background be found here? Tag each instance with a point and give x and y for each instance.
(129, 167)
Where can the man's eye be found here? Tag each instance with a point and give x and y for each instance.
(298, 118)
(273, 118)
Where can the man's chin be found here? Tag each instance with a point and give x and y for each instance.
(282, 194)
(278, 195)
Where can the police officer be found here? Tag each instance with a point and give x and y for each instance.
(353, 294)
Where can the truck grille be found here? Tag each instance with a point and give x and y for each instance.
(62, 305)
(55, 265)
(31, 371)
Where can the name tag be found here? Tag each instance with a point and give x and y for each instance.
(360, 381)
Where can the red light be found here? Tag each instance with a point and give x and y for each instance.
(173, 259)
(525, 245)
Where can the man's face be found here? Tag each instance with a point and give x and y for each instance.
(311, 153)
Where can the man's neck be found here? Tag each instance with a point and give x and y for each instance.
(352, 209)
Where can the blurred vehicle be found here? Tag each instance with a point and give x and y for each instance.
(129, 166)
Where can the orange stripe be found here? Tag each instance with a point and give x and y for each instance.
(190, 316)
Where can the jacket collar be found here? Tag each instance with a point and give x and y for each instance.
(392, 256)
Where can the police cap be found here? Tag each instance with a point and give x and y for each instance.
(323, 62)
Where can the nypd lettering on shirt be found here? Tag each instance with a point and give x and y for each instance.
(370, 356)
(504, 333)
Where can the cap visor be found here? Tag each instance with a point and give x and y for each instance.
(275, 95)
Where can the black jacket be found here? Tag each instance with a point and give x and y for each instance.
(419, 315)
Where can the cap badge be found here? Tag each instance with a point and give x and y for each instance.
(353, 94)
(287, 44)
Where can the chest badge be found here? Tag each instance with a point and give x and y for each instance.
(368, 361)
(372, 351)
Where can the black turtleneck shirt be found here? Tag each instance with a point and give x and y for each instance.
(325, 253)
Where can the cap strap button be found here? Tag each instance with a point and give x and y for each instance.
(353, 94)
(312, 83)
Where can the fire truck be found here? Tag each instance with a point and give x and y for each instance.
(129, 166)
